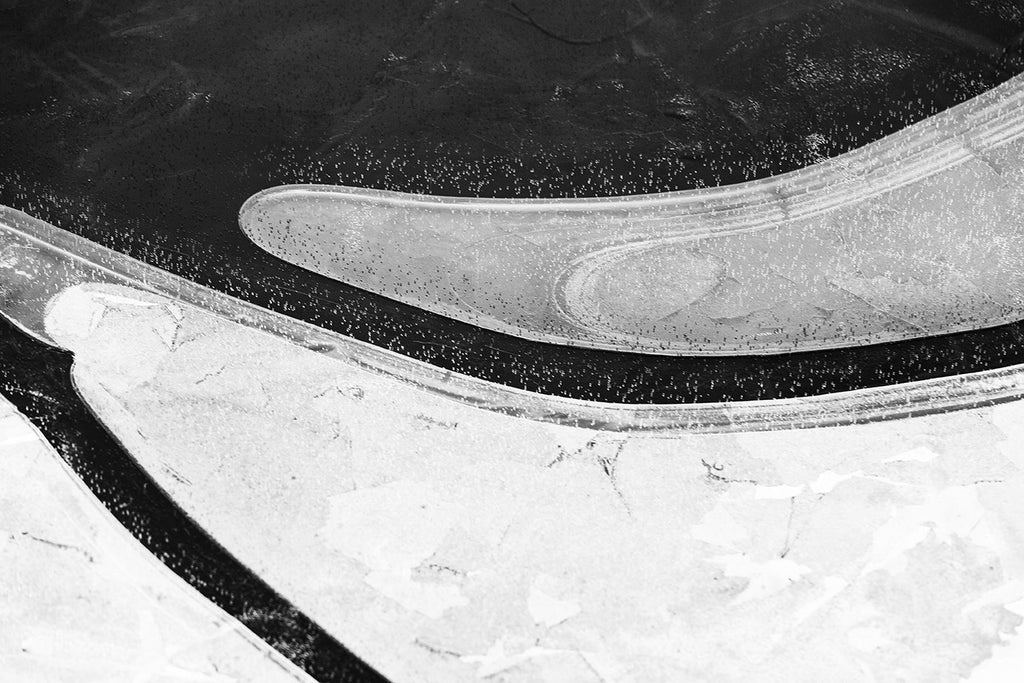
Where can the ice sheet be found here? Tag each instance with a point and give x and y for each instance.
(915, 235)
(442, 542)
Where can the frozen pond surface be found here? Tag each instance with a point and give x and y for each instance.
(917, 234)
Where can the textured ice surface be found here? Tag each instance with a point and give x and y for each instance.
(442, 542)
(448, 529)
(38, 261)
(915, 235)
(81, 600)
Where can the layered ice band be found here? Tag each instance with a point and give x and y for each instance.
(915, 235)
(39, 261)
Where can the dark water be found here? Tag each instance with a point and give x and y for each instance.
(144, 125)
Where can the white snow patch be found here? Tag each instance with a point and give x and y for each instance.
(777, 492)
(951, 512)
(834, 585)
(719, 528)
(867, 638)
(80, 315)
(919, 454)
(547, 609)
(496, 659)
(427, 598)
(766, 578)
(391, 529)
(1007, 660)
(1012, 592)
(828, 480)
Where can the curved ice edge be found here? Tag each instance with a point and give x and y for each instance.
(39, 261)
(989, 119)
(968, 131)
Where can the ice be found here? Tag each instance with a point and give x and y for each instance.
(911, 236)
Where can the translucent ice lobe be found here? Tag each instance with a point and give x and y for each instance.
(915, 235)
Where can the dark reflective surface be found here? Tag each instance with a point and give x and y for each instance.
(144, 125)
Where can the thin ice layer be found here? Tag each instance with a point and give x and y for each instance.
(915, 235)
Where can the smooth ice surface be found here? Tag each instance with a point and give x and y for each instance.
(81, 600)
(914, 235)
(442, 542)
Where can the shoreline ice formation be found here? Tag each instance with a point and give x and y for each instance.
(917, 234)
(445, 528)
